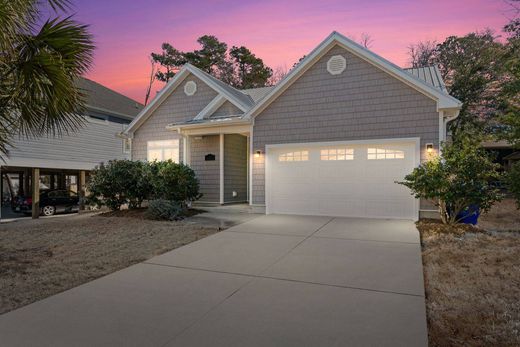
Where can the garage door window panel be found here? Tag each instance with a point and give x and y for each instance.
(333, 154)
(294, 156)
(378, 153)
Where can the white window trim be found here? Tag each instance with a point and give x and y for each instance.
(129, 141)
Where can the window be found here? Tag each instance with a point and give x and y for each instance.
(294, 156)
(337, 154)
(127, 145)
(163, 150)
(383, 153)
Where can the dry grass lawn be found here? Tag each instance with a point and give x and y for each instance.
(472, 281)
(45, 257)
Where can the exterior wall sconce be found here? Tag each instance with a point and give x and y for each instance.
(429, 148)
(257, 153)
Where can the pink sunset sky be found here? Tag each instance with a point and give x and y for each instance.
(279, 32)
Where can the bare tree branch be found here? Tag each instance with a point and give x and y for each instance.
(150, 82)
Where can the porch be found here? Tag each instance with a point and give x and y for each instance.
(220, 157)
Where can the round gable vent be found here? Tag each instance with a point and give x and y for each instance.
(336, 65)
(190, 88)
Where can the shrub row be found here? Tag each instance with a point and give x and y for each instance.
(127, 182)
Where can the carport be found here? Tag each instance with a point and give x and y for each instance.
(17, 181)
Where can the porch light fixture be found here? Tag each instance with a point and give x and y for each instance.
(257, 153)
(429, 148)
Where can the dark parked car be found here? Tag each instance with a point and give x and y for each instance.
(51, 202)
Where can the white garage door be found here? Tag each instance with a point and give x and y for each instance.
(341, 179)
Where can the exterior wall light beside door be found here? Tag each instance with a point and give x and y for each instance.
(429, 148)
(257, 153)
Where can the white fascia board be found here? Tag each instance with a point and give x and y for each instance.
(157, 101)
(222, 123)
(217, 88)
(210, 108)
(444, 101)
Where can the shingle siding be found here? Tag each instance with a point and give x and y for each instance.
(226, 109)
(361, 103)
(177, 108)
(235, 167)
(208, 172)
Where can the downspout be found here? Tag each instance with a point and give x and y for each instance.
(447, 120)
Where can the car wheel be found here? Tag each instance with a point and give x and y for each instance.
(48, 210)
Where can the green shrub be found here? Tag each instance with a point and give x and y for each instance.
(119, 182)
(513, 182)
(164, 210)
(462, 177)
(175, 182)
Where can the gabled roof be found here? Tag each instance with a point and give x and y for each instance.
(231, 90)
(102, 99)
(444, 101)
(430, 75)
(240, 100)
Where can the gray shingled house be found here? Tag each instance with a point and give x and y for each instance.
(60, 161)
(331, 138)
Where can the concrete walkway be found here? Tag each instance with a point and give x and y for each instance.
(271, 281)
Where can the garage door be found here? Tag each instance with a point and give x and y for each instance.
(341, 179)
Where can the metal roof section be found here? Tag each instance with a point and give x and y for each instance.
(102, 99)
(430, 75)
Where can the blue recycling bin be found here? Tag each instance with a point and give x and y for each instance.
(469, 215)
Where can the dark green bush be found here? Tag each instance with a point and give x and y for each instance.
(513, 182)
(175, 182)
(164, 210)
(119, 182)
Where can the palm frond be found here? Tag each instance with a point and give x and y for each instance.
(44, 74)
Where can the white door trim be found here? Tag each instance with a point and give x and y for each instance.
(270, 147)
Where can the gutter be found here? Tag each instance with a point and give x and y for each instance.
(216, 123)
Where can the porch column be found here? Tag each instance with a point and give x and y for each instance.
(248, 166)
(26, 179)
(35, 193)
(221, 159)
(20, 184)
(81, 190)
(186, 150)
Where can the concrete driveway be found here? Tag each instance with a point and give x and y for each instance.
(271, 281)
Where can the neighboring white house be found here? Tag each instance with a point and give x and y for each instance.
(61, 160)
(331, 138)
